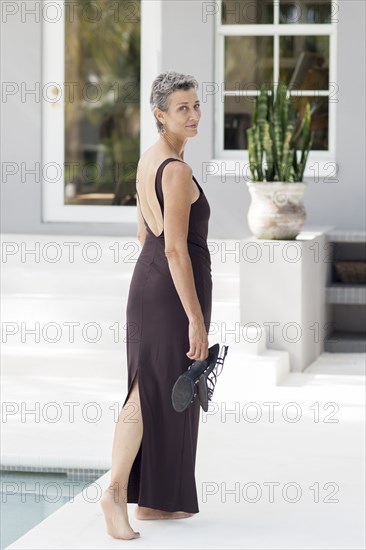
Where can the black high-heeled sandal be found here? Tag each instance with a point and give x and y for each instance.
(207, 380)
(185, 388)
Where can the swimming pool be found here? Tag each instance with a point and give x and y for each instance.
(28, 497)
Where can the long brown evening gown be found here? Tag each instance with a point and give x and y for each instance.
(163, 472)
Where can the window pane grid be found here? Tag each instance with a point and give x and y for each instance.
(272, 30)
(285, 67)
(276, 53)
(285, 12)
(296, 93)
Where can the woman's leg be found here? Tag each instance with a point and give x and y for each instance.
(127, 440)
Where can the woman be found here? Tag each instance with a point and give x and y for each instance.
(168, 315)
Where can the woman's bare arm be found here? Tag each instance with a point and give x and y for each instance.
(177, 205)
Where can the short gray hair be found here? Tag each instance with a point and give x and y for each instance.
(164, 85)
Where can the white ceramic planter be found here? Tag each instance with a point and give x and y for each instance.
(277, 210)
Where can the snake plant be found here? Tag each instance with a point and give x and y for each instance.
(272, 138)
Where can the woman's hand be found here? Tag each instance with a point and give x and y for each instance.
(198, 340)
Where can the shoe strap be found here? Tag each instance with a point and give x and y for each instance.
(223, 351)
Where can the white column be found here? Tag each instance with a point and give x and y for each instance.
(151, 63)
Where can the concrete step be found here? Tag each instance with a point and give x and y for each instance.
(18, 283)
(95, 336)
(116, 254)
(105, 357)
(73, 282)
(62, 307)
(108, 336)
(86, 309)
(68, 361)
(338, 363)
(241, 371)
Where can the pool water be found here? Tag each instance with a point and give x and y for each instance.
(27, 498)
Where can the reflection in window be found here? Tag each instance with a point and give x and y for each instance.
(248, 61)
(238, 117)
(319, 120)
(305, 11)
(102, 102)
(246, 12)
(304, 62)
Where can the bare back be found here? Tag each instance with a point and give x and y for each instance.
(145, 184)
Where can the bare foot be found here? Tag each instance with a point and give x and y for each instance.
(116, 517)
(141, 512)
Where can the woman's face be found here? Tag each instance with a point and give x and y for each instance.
(183, 114)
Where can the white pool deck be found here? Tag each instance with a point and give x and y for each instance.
(315, 465)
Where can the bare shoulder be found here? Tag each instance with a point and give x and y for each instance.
(177, 172)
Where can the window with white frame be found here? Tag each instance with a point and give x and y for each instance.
(91, 109)
(275, 41)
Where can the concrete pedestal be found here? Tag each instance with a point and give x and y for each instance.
(282, 287)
